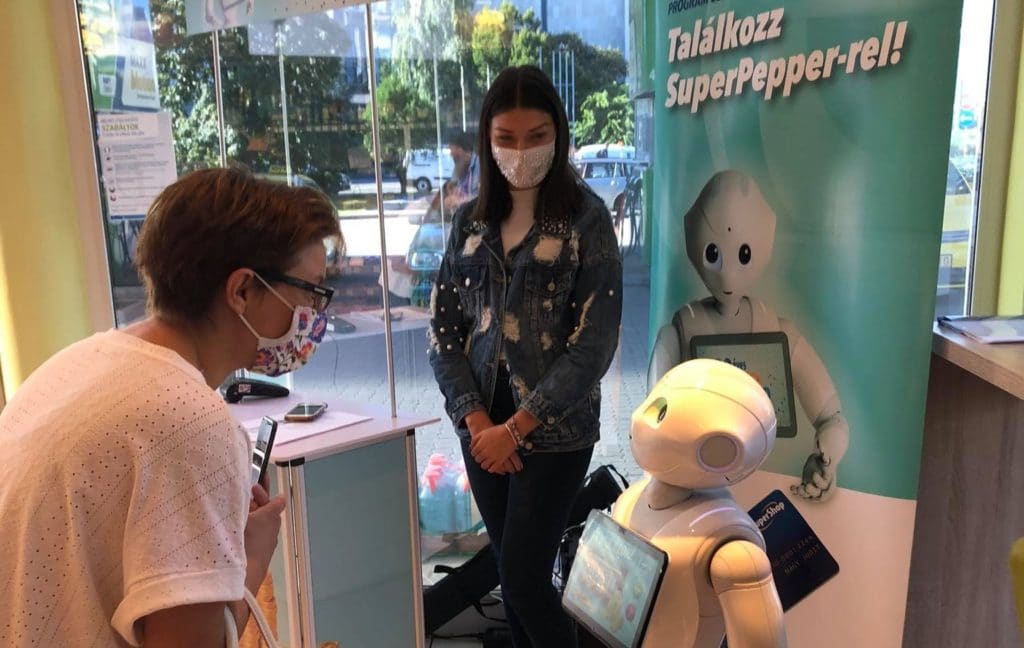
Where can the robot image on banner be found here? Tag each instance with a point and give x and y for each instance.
(730, 231)
(704, 426)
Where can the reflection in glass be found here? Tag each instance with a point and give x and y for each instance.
(956, 256)
(296, 106)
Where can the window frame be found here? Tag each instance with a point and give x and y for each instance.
(994, 166)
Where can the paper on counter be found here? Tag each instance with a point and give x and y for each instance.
(290, 431)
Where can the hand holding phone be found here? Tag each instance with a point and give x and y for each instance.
(305, 412)
(261, 450)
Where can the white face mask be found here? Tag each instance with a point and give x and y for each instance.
(527, 168)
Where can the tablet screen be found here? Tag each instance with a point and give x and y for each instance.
(614, 581)
(765, 356)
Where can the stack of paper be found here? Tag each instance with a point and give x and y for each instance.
(990, 330)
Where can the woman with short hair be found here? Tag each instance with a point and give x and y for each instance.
(128, 511)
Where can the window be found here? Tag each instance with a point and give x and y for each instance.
(295, 98)
(956, 257)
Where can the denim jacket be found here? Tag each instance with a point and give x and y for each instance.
(555, 307)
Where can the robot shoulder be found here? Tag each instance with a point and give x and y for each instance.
(763, 316)
(739, 564)
(792, 332)
(622, 509)
(695, 318)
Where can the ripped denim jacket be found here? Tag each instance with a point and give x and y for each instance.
(553, 308)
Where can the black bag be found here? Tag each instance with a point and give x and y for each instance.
(466, 585)
(599, 491)
(461, 588)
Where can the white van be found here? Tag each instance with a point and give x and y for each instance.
(422, 171)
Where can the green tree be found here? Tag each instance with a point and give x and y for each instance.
(606, 117)
(527, 39)
(506, 37)
(405, 117)
(597, 68)
(491, 42)
(251, 92)
(185, 76)
(427, 31)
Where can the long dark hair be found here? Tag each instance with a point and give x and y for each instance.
(559, 195)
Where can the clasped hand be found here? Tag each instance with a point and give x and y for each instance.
(493, 448)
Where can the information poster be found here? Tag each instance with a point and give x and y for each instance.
(118, 37)
(137, 158)
(800, 163)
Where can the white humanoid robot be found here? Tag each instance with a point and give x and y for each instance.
(704, 426)
(730, 231)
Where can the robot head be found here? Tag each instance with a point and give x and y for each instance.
(730, 230)
(706, 424)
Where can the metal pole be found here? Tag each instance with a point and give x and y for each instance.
(572, 97)
(284, 104)
(462, 84)
(218, 91)
(388, 341)
(564, 64)
(437, 150)
(558, 67)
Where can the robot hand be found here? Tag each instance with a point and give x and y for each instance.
(818, 480)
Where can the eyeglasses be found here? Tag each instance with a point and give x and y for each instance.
(322, 295)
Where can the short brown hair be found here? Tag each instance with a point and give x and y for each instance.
(212, 222)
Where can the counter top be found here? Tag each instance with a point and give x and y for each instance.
(999, 364)
(380, 427)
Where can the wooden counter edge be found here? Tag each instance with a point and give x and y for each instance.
(1001, 365)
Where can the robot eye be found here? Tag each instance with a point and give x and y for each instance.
(656, 412)
(713, 256)
(744, 254)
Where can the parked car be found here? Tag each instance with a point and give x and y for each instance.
(594, 151)
(298, 179)
(422, 169)
(608, 178)
(424, 259)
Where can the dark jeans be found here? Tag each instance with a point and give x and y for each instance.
(526, 514)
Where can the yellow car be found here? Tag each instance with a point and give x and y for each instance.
(957, 223)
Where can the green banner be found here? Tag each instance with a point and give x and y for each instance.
(800, 163)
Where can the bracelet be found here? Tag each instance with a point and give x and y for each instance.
(513, 431)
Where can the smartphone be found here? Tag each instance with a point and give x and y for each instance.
(304, 412)
(261, 450)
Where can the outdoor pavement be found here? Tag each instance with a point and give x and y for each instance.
(353, 368)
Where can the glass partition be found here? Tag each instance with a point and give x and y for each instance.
(959, 223)
(290, 99)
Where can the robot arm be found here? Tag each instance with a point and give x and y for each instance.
(742, 576)
(820, 401)
(665, 355)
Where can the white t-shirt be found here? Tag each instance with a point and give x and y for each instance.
(123, 490)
